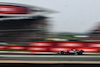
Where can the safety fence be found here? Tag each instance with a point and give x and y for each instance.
(40, 46)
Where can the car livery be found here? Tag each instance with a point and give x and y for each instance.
(74, 51)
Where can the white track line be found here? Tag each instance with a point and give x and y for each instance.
(75, 62)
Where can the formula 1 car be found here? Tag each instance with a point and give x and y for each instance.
(68, 52)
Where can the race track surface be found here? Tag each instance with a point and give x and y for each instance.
(51, 57)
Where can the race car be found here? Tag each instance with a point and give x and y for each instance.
(68, 52)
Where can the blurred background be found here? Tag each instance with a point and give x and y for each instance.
(49, 21)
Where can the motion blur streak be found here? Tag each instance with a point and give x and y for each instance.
(52, 46)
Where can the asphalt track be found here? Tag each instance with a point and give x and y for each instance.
(51, 57)
(47, 65)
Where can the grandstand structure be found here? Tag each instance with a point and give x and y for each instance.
(21, 23)
(94, 35)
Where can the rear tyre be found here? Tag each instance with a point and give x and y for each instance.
(67, 52)
(62, 52)
(82, 50)
(75, 53)
(80, 53)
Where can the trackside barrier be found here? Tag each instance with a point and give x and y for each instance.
(89, 49)
(40, 46)
(55, 46)
(94, 44)
(16, 47)
(59, 48)
(71, 44)
(37, 48)
(42, 43)
(3, 47)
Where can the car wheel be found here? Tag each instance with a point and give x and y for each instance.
(62, 52)
(75, 53)
(67, 52)
(80, 53)
(82, 50)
